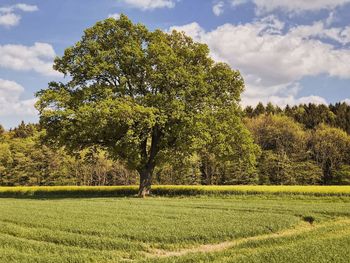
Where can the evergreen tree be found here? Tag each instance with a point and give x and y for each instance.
(259, 109)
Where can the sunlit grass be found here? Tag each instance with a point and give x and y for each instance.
(122, 229)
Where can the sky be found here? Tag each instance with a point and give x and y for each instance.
(289, 52)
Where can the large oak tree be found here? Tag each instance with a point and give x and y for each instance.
(144, 96)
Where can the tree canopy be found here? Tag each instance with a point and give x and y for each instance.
(331, 148)
(144, 96)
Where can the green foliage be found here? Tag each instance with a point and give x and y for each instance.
(179, 171)
(248, 111)
(330, 148)
(309, 115)
(270, 109)
(276, 168)
(277, 133)
(26, 161)
(2, 130)
(342, 116)
(142, 95)
(283, 152)
(230, 155)
(5, 161)
(260, 109)
(293, 155)
(306, 173)
(284, 146)
(312, 115)
(342, 175)
(24, 130)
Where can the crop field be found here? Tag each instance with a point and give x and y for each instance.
(228, 228)
(173, 190)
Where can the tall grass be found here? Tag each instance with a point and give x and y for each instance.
(171, 190)
(114, 230)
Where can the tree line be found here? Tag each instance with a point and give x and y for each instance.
(25, 160)
(293, 148)
(304, 144)
(310, 115)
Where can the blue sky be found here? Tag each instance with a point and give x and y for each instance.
(288, 52)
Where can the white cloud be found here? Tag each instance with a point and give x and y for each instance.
(218, 8)
(150, 4)
(291, 6)
(347, 101)
(272, 59)
(290, 100)
(318, 29)
(235, 3)
(297, 6)
(193, 29)
(22, 7)
(26, 8)
(10, 89)
(9, 18)
(311, 99)
(116, 16)
(38, 58)
(10, 102)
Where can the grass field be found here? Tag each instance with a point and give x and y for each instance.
(230, 228)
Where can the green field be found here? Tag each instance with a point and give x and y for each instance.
(230, 228)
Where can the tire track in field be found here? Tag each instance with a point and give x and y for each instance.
(301, 228)
(68, 239)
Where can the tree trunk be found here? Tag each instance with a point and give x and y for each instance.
(145, 182)
(327, 172)
(149, 162)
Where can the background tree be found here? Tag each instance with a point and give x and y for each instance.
(259, 109)
(249, 111)
(342, 116)
(179, 171)
(284, 148)
(2, 131)
(5, 162)
(24, 130)
(270, 108)
(275, 168)
(26, 161)
(330, 148)
(140, 95)
(310, 115)
(286, 157)
(277, 133)
(342, 175)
